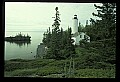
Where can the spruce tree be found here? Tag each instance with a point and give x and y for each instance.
(79, 27)
(70, 49)
(104, 30)
(107, 24)
(59, 42)
(54, 48)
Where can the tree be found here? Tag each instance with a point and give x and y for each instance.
(56, 23)
(80, 27)
(105, 27)
(44, 38)
(104, 30)
(107, 24)
(69, 46)
(59, 42)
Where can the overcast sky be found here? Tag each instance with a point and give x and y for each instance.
(36, 16)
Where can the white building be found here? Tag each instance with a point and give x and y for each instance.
(78, 36)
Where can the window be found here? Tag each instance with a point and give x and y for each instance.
(84, 36)
(80, 36)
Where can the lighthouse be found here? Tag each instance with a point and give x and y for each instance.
(75, 24)
(78, 36)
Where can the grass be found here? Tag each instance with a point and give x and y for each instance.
(84, 68)
(81, 73)
(21, 72)
(55, 67)
(95, 73)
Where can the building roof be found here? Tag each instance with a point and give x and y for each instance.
(79, 33)
(75, 17)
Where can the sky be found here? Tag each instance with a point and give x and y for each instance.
(37, 16)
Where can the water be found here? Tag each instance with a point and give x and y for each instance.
(25, 50)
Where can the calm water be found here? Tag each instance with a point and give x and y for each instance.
(23, 50)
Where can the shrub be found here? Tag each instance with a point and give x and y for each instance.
(95, 73)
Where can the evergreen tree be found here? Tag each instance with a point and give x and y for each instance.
(54, 39)
(69, 46)
(44, 38)
(48, 38)
(56, 23)
(59, 42)
(107, 25)
(80, 27)
(103, 31)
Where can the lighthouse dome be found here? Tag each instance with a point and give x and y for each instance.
(75, 17)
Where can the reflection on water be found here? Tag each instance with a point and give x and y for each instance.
(23, 50)
(20, 43)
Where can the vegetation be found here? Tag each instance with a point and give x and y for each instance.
(95, 73)
(80, 27)
(105, 28)
(103, 32)
(55, 68)
(59, 42)
(91, 60)
(18, 37)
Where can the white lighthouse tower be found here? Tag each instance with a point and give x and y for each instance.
(78, 36)
(75, 25)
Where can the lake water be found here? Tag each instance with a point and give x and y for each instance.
(25, 50)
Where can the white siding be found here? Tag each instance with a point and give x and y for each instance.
(82, 34)
(74, 40)
(78, 38)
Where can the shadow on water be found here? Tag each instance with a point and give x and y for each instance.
(20, 43)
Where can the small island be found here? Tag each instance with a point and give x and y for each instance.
(18, 37)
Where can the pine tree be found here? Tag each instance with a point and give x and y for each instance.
(79, 27)
(105, 27)
(107, 24)
(59, 42)
(69, 46)
(44, 38)
(54, 38)
(104, 30)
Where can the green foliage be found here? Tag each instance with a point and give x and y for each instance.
(47, 70)
(37, 63)
(22, 72)
(80, 28)
(45, 67)
(104, 28)
(59, 42)
(95, 73)
(103, 33)
(83, 43)
(39, 67)
(9, 66)
(92, 58)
